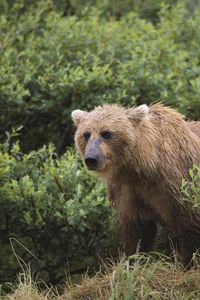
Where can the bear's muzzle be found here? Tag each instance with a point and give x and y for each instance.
(94, 158)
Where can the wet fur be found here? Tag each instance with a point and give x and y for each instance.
(194, 126)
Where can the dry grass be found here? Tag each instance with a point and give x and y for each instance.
(145, 278)
(161, 279)
(97, 287)
(28, 290)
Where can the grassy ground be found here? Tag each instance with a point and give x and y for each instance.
(145, 278)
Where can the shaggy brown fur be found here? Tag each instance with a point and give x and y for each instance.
(194, 126)
(142, 154)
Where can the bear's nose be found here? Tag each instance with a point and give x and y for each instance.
(91, 163)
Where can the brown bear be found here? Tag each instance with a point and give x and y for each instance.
(142, 154)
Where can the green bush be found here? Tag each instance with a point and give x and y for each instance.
(191, 189)
(147, 9)
(51, 64)
(53, 213)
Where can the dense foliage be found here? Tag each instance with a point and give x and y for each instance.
(53, 214)
(147, 9)
(51, 63)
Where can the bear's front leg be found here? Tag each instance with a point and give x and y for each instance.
(187, 235)
(188, 245)
(137, 229)
(137, 236)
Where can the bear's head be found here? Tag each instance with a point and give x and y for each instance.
(103, 134)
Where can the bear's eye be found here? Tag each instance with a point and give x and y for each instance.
(87, 135)
(106, 134)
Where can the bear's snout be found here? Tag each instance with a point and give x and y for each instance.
(94, 158)
(91, 162)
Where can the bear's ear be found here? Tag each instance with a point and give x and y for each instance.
(138, 113)
(78, 116)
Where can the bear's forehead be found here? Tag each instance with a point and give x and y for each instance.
(107, 113)
(104, 118)
(97, 123)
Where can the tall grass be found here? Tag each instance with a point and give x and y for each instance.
(142, 277)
